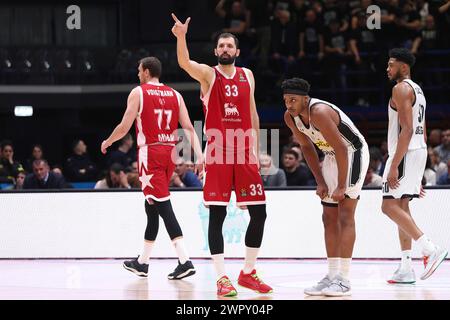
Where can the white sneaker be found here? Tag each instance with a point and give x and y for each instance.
(317, 289)
(339, 287)
(403, 277)
(432, 262)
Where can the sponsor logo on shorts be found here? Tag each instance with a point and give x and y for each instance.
(212, 194)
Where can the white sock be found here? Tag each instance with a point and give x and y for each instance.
(219, 264)
(250, 259)
(146, 251)
(427, 246)
(406, 264)
(333, 267)
(345, 267)
(180, 248)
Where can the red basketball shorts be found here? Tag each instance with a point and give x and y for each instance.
(155, 168)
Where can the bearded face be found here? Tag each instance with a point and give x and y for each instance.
(226, 59)
(226, 51)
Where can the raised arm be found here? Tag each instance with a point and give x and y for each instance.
(200, 72)
(127, 121)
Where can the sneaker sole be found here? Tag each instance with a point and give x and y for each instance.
(400, 282)
(434, 267)
(337, 294)
(240, 285)
(232, 293)
(186, 274)
(314, 294)
(138, 273)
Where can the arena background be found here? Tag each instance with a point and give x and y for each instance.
(77, 82)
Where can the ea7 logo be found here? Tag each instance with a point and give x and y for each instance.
(374, 20)
(74, 20)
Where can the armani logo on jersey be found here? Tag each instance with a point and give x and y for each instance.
(242, 78)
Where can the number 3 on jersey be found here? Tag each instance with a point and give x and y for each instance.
(231, 90)
(256, 189)
(167, 113)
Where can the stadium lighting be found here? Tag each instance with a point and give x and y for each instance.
(23, 111)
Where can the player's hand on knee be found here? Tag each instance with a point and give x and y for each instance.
(322, 190)
(338, 194)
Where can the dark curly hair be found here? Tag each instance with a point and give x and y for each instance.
(296, 86)
(403, 55)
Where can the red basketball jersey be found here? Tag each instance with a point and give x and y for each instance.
(227, 106)
(157, 120)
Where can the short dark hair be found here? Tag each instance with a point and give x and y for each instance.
(296, 85)
(37, 145)
(75, 143)
(403, 55)
(375, 154)
(126, 137)
(38, 162)
(5, 143)
(153, 65)
(292, 152)
(116, 168)
(228, 35)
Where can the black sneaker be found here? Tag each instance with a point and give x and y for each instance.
(182, 271)
(134, 266)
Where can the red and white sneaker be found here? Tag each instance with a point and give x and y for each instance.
(432, 262)
(225, 287)
(253, 282)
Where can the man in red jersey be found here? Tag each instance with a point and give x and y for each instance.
(156, 110)
(227, 93)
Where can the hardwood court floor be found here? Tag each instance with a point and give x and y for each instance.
(107, 279)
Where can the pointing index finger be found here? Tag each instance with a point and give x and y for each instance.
(175, 18)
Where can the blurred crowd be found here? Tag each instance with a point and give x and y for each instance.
(121, 169)
(328, 42)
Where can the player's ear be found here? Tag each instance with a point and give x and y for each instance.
(215, 52)
(238, 52)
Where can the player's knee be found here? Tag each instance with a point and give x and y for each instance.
(255, 230)
(347, 221)
(346, 218)
(217, 216)
(385, 208)
(151, 231)
(258, 213)
(170, 221)
(329, 219)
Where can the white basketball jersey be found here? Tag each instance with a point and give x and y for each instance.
(350, 134)
(418, 118)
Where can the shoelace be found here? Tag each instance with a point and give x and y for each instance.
(340, 284)
(225, 282)
(255, 276)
